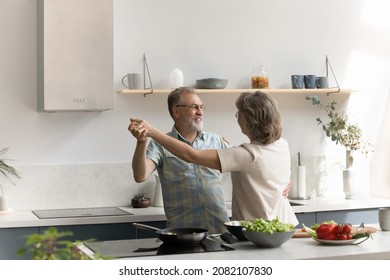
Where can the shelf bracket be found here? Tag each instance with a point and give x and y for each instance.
(146, 71)
(329, 66)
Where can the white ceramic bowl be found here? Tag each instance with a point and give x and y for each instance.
(268, 240)
(384, 218)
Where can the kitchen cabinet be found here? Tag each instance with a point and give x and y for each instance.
(367, 216)
(306, 218)
(13, 239)
(97, 231)
(237, 91)
(108, 231)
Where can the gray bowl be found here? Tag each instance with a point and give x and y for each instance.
(211, 83)
(235, 228)
(268, 240)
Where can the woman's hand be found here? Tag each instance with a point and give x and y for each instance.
(138, 129)
(287, 189)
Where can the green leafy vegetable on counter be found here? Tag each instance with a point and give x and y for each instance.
(310, 231)
(270, 226)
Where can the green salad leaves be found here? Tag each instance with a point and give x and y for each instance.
(269, 226)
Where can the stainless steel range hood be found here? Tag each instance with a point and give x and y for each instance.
(75, 55)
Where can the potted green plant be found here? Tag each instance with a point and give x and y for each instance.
(140, 200)
(53, 245)
(8, 172)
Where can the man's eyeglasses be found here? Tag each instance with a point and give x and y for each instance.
(193, 107)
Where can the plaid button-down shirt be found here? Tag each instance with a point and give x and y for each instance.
(192, 194)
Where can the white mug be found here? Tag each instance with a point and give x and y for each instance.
(134, 81)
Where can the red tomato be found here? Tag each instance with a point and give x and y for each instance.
(347, 228)
(326, 231)
(342, 236)
(349, 236)
(339, 228)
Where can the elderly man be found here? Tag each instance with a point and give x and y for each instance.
(192, 194)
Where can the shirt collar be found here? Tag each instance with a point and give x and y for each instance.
(178, 136)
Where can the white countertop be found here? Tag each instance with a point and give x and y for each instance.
(377, 248)
(298, 248)
(324, 204)
(28, 218)
(12, 219)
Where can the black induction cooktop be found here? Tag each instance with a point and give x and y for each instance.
(79, 212)
(151, 247)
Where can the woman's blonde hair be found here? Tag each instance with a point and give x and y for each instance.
(262, 116)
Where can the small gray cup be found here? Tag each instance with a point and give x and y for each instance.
(310, 81)
(384, 218)
(322, 82)
(297, 81)
(134, 81)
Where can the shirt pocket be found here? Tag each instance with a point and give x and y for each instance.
(177, 165)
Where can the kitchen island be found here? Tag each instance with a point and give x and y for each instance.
(16, 225)
(375, 248)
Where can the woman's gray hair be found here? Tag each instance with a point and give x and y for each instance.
(176, 94)
(262, 116)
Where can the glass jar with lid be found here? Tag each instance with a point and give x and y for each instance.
(260, 77)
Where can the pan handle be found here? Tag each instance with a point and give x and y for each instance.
(147, 227)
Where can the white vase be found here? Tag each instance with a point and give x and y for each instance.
(348, 159)
(3, 203)
(355, 176)
(176, 78)
(348, 183)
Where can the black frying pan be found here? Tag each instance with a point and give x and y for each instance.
(177, 236)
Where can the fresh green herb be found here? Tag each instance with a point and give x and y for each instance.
(361, 235)
(140, 196)
(310, 231)
(269, 226)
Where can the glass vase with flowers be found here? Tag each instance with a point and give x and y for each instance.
(341, 131)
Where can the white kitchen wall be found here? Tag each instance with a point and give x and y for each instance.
(219, 38)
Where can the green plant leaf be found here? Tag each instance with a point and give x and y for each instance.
(339, 129)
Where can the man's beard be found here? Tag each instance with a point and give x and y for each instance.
(196, 124)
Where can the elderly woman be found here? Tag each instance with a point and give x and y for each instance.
(260, 170)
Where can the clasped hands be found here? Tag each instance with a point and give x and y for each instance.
(139, 129)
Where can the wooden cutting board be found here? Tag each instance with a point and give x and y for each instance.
(302, 234)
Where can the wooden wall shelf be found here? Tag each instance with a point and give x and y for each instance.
(235, 91)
